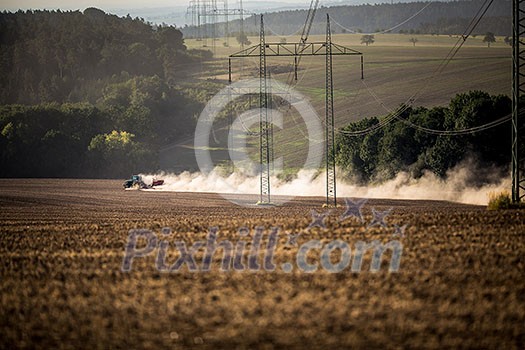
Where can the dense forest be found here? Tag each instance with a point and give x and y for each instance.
(69, 56)
(380, 155)
(89, 94)
(435, 18)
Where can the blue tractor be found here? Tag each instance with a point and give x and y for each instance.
(136, 182)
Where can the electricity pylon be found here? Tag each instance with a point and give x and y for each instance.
(296, 50)
(518, 87)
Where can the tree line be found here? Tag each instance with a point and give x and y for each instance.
(120, 134)
(88, 94)
(381, 154)
(55, 56)
(448, 18)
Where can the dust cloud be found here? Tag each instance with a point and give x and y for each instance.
(461, 184)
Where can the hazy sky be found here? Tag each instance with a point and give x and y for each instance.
(81, 4)
(103, 4)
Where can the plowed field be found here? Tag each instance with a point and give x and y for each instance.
(461, 282)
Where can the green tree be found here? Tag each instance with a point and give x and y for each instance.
(357, 154)
(367, 39)
(116, 154)
(397, 148)
(46, 140)
(401, 146)
(444, 154)
(489, 38)
(242, 38)
(413, 41)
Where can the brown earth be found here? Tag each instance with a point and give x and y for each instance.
(460, 285)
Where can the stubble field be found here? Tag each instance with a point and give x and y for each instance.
(395, 71)
(460, 284)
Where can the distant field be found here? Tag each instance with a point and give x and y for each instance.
(395, 72)
(460, 284)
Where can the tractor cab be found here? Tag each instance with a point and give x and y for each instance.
(134, 181)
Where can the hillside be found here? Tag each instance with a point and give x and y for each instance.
(434, 17)
(88, 93)
(55, 56)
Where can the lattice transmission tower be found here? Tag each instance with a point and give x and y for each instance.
(518, 88)
(295, 50)
(264, 125)
(207, 14)
(331, 193)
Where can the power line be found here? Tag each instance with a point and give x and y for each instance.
(410, 101)
(283, 35)
(463, 38)
(389, 29)
(397, 115)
